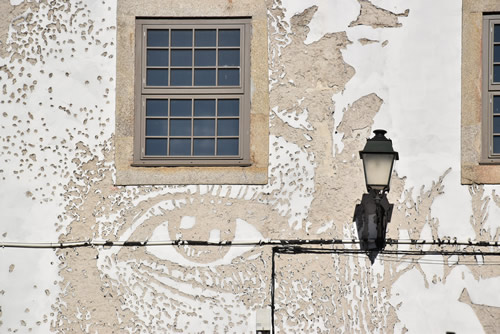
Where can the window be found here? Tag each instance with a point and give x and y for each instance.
(491, 89)
(190, 120)
(192, 83)
(480, 91)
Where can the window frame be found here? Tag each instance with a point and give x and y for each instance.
(142, 92)
(475, 166)
(489, 89)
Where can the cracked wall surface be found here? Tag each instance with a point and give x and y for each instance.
(332, 81)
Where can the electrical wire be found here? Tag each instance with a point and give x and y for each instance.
(294, 246)
(458, 262)
(401, 258)
(303, 250)
(262, 242)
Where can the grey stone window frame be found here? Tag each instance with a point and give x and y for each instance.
(240, 92)
(478, 165)
(490, 90)
(129, 174)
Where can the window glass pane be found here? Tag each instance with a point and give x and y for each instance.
(496, 73)
(496, 124)
(227, 147)
(204, 147)
(228, 107)
(496, 53)
(229, 37)
(180, 127)
(204, 127)
(180, 107)
(229, 57)
(497, 33)
(156, 107)
(204, 107)
(182, 37)
(157, 58)
(182, 58)
(180, 77)
(156, 146)
(156, 127)
(496, 104)
(205, 37)
(204, 77)
(157, 37)
(204, 57)
(157, 77)
(228, 127)
(180, 146)
(496, 144)
(231, 77)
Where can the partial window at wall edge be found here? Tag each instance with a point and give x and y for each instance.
(490, 149)
(480, 93)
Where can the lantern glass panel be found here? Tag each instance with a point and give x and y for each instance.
(378, 168)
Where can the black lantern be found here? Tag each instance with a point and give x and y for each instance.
(374, 212)
(378, 159)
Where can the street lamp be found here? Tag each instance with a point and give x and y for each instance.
(378, 159)
(374, 212)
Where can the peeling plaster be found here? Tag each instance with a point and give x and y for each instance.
(333, 79)
(376, 17)
(333, 16)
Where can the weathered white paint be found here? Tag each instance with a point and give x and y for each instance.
(493, 218)
(436, 308)
(187, 222)
(29, 287)
(332, 16)
(417, 75)
(297, 121)
(31, 198)
(395, 6)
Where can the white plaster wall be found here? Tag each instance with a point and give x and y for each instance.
(72, 101)
(416, 74)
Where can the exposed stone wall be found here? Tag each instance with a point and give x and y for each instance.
(57, 171)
